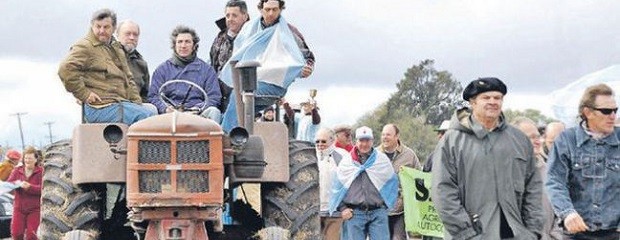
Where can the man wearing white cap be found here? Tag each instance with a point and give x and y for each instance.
(485, 181)
(365, 188)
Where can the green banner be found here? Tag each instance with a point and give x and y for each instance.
(420, 214)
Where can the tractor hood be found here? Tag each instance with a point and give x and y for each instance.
(175, 124)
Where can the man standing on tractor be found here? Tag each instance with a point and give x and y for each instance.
(274, 78)
(97, 74)
(236, 14)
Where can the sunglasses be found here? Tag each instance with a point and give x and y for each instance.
(320, 141)
(606, 111)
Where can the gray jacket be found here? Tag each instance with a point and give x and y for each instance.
(477, 172)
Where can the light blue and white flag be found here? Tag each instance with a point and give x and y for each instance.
(565, 101)
(379, 170)
(274, 48)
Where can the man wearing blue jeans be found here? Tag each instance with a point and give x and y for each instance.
(365, 188)
(97, 74)
(584, 170)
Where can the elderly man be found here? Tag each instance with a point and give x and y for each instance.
(552, 131)
(551, 230)
(280, 69)
(400, 156)
(485, 182)
(584, 170)
(97, 74)
(343, 137)
(185, 65)
(128, 34)
(366, 187)
(329, 157)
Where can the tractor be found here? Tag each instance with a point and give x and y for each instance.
(173, 174)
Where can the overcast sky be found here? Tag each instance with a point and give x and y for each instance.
(362, 49)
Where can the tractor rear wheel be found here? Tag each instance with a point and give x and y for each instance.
(294, 205)
(66, 207)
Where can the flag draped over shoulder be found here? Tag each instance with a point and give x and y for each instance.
(380, 172)
(420, 214)
(273, 47)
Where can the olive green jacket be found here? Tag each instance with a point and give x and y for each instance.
(94, 66)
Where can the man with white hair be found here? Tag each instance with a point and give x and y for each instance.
(329, 156)
(551, 230)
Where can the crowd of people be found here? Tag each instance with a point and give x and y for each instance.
(491, 179)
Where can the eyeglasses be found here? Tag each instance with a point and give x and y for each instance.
(320, 141)
(606, 111)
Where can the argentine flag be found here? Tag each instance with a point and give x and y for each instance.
(280, 61)
(379, 170)
(273, 47)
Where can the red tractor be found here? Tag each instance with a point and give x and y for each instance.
(171, 170)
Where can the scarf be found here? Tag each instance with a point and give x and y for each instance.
(182, 61)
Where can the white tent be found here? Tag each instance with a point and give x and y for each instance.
(565, 101)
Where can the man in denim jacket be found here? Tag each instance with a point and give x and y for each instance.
(584, 170)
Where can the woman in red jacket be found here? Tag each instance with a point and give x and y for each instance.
(27, 205)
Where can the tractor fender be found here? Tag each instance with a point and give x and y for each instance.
(99, 153)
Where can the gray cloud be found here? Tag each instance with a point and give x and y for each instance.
(536, 46)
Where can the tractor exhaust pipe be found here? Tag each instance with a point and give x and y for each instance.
(247, 75)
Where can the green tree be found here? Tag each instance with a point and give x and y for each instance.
(424, 91)
(423, 99)
(533, 114)
(414, 133)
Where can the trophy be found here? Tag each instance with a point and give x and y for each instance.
(312, 95)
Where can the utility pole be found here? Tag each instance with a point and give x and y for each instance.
(19, 121)
(49, 127)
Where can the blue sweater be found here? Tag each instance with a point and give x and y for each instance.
(197, 72)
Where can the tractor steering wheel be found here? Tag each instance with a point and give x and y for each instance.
(181, 106)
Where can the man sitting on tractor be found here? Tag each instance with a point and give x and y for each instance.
(97, 74)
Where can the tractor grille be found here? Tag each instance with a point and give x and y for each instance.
(193, 181)
(192, 152)
(157, 152)
(154, 181)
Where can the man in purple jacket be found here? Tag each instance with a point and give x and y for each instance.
(185, 65)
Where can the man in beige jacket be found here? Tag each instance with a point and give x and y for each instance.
(96, 73)
(400, 155)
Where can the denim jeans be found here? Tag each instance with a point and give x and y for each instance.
(372, 224)
(229, 120)
(212, 113)
(125, 112)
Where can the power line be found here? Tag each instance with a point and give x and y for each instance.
(19, 121)
(49, 127)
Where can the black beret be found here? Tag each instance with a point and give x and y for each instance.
(481, 85)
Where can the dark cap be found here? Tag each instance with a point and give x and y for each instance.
(481, 85)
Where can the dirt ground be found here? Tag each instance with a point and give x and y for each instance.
(252, 194)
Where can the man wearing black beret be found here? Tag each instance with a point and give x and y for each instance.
(485, 183)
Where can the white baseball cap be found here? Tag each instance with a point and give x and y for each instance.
(363, 133)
